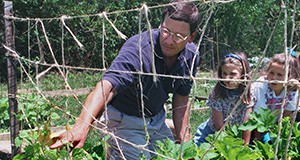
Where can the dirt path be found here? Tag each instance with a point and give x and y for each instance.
(79, 91)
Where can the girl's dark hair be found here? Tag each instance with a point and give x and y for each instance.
(182, 10)
(220, 90)
(280, 59)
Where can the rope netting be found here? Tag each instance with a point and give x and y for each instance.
(34, 70)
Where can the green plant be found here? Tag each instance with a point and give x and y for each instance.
(197, 117)
(294, 148)
(265, 121)
(4, 114)
(38, 115)
(199, 104)
(175, 151)
(229, 145)
(34, 110)
(37, 147)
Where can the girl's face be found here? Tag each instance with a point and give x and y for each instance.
(276, 72)
(231, 71)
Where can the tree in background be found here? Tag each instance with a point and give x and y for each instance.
(238, 25)
(247, 25)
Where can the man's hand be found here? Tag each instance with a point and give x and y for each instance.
(94, 106)
(74, 137)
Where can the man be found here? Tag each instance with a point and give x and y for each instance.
(131, 95)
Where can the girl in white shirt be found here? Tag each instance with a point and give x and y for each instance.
(270, 94)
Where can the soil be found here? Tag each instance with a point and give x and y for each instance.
(79, 91)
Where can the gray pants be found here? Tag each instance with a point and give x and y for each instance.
(133, 130)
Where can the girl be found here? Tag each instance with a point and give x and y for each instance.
(270, 95)
(225, 96)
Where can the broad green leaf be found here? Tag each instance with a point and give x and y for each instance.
(18, 141)
(247, 126)
(209, 155)
(54, 116)
(266, 149)
(78, 153)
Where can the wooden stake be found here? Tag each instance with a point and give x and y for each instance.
(12, 78)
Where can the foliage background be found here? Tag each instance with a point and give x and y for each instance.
(238, 25)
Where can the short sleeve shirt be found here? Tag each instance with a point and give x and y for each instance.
(141, 78)
(226, 105)
(265, 97)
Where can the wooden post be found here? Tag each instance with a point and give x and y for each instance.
(12, 78)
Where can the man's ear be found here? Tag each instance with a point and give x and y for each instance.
(192, 37)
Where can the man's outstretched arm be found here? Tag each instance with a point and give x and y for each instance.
(94, 106)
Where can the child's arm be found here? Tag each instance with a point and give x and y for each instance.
(292, 84)
(292, 105)
(247, 133)
(256, 135)
(287, 113)
(218, 119)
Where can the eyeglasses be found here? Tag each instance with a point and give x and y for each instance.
(178, 38)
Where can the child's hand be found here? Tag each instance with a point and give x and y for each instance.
(293, 84)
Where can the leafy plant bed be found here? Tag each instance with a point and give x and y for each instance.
(227, 145)
(221, 145)
(5, 141)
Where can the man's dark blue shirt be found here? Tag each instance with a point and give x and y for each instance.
(124, 75)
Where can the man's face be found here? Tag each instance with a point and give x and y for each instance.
(174, 35)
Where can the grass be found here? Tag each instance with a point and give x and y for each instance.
(55, 81)
(3, 90)
(197, 117)
(203, 86)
